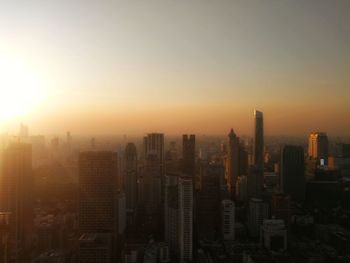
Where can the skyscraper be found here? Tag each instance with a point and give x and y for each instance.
(16, 186)
(185, 218)
(153, 144)
(130, 176)
(98, 193)
(228, 219)
(318, 146)
(150, 185)
(258, 152)
(189, 155)
(232, 162)
(292, 177)
(258, 211)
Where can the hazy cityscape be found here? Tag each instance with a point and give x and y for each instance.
(174, 131)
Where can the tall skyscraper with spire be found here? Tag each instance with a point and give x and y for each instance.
(258, 153)
(232, 162)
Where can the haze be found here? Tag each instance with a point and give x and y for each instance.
(182, 66)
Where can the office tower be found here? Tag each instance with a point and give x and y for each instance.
(208, 200)
(292, 177)
(5, 244)
(258, 150)
(185, 219)
(274, 235)
(98, 202)
(242, 188)
(280, 207)
(150, 185)
(93, 143)
(153, 143)
(318, 146)
(243, 160)
(254, 181)
(258, 153)
(189, 155)
(130, 176)
(171, 218)
(232, 162)
(228, 219)
(16, 192)
(258, 211)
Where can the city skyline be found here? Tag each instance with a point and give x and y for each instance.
(175, 67)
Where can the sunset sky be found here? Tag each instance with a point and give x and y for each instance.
(103, 67)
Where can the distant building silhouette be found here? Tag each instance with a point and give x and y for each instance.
(189, 155)
(258, 152)
(292, 174)
(150, 184)
(318, 146)
(233, 162)
(16, 196)
(130, 178)
(208, 200)
(185, 218)
(98, 204)
(258, 211)
(153, 144)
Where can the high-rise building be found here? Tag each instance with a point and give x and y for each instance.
(258, 151)
(258, 211)
(208, 200)
(318, 146)
(185, 219)
(292, 173)
(5, 245)
(97, 191)
(171, 219)
(153, 144)
(254, 182)
(98, 203)
(189, 155)
(130, 176)
(242, 188)
(228, 219)
(232, 162)
(16, 186)
(150, 185)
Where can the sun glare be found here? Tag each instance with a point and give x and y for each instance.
(21, 90)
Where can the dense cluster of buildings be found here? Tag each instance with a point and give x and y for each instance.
(221, 201)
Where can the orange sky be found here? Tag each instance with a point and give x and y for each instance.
(122, 67)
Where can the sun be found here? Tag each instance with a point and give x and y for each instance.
(21, 90)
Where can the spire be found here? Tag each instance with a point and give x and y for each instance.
(232, 134)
